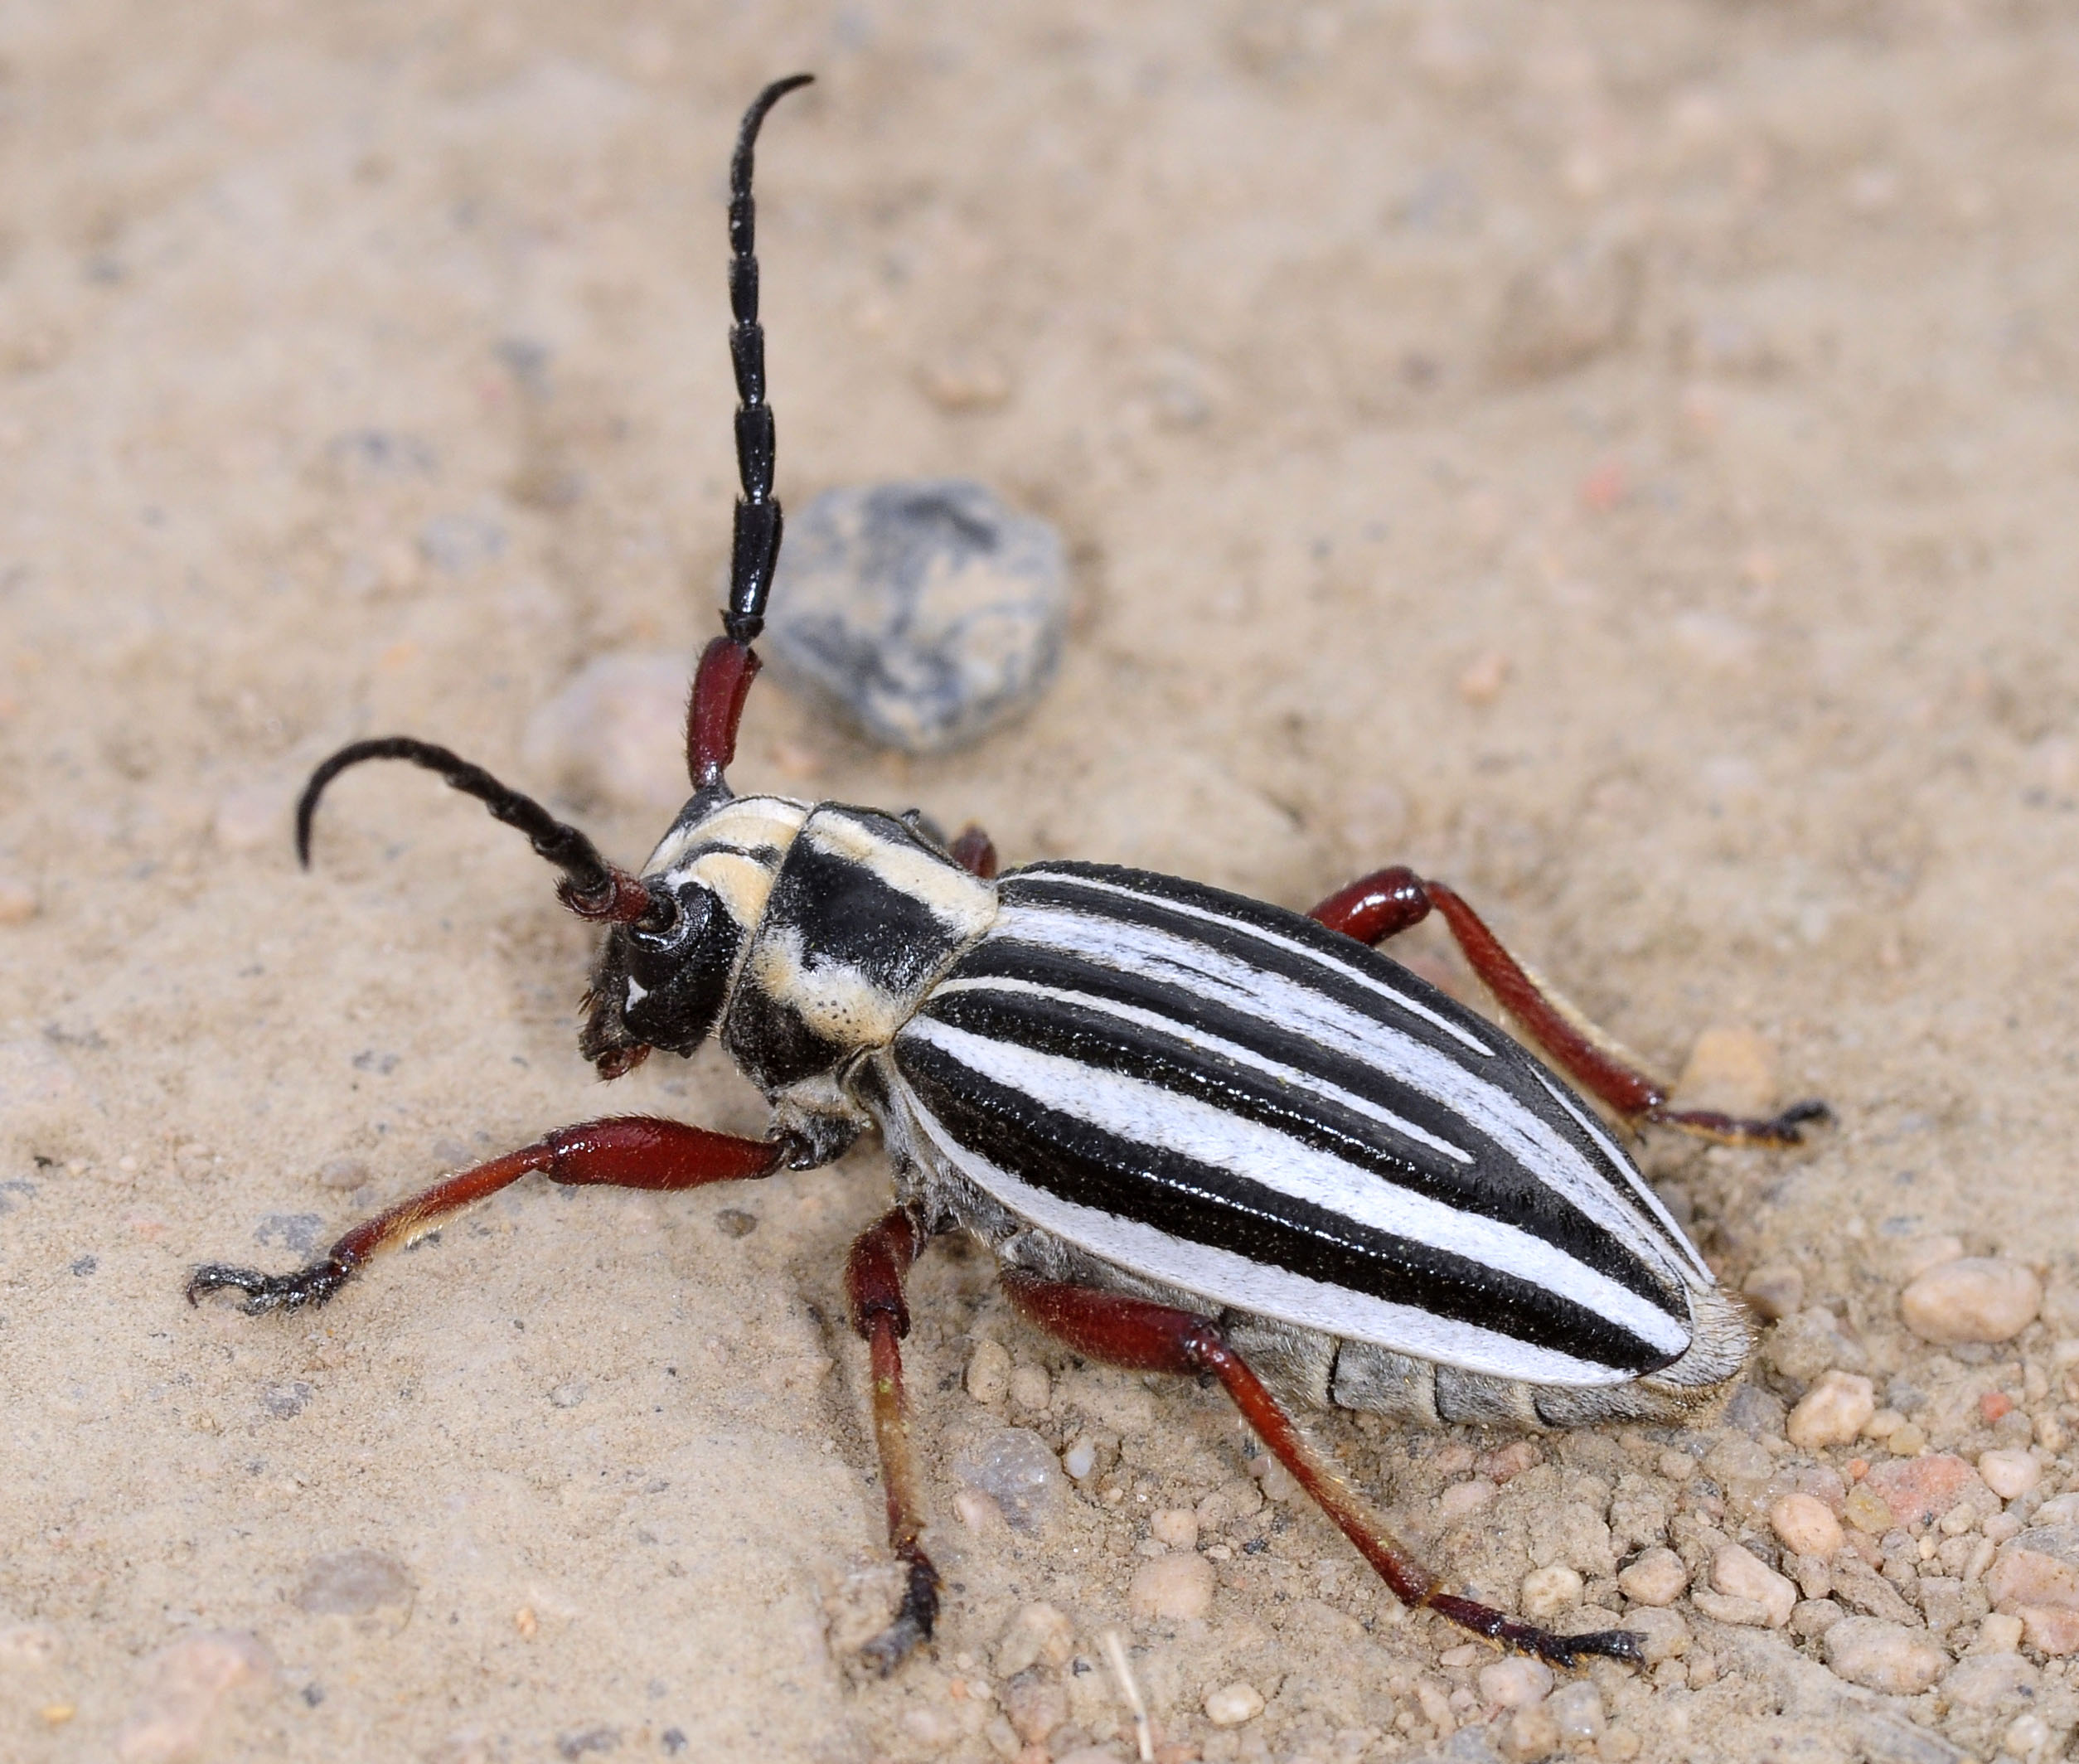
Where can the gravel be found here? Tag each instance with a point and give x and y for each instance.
(353, 1582)
(927, 613)
(1977, 1298)
(1233, 1704)
(1805, 1525)
(1832, 1412)
(1172, 1588)
(1017, 1470)
(1658, 1577)
(1884, 1656)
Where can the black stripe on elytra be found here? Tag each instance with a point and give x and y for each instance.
(1494, 1187)
(1054, 884)
(1068, 1158)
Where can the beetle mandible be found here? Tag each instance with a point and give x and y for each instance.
(1198, 1134)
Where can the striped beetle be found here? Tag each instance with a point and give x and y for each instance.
(1198, 1134)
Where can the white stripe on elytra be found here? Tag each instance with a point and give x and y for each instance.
(1637, 1183)
(1174, 959)
(1369, 982)
(1224, 1279)
(1292, 1076)
(1146, 1114)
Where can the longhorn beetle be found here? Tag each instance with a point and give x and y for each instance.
(1198, 1134)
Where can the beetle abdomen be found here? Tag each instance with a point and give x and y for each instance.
(1231, 1100)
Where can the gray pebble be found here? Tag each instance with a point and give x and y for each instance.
(352, 1583)
(1017, 1470)
(296, 1233)
(286, 1400)
(345, 1173)
(927, 613)
(569, 1395)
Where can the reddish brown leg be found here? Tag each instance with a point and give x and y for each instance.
(716, 708)
(1388, 901)
(974, 850)
(873, 1276)
(628, 1152)
(1144, 1337)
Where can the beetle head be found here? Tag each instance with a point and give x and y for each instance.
(663, 980)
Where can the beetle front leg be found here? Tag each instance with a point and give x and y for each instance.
(1388, 901)
(1146, 1337)
(874, 1275)
(624, 1151)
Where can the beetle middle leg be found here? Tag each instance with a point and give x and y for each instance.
(874, 1275)
(1388, 901)
(624, 1151)
(1146, 1337)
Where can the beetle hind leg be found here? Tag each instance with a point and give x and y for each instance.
(1379, 906)
(1146, 1337)
(873, 1275)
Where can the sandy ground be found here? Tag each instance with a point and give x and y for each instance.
(1612, 456)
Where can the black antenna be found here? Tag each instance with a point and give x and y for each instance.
(591, 887)
(754, 545)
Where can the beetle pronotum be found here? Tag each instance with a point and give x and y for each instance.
(1197, 1133)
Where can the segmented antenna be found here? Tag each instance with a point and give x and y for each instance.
(754, 546)
(591, 887)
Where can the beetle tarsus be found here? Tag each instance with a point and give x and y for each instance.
(311, 1284)
(1780, 1130)
(913, 1618)
(1527, 1638)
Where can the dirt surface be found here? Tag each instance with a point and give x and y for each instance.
(1618, 456)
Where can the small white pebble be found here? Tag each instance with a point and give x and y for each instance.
(1030, 1388)
(1547, 1591)
(989, 1372)
(614, 730)
(1885, 1422)
(1175, 1588)
(1516, 1683)
(1730, 1070)
(1278, 1482)
(183, 1685)
(1886, 1657)
(341, 1173)
(2009, 1473)
(1038, 1632)
(1578, 1708)
(1658, 1577)
(977, 1511)
(1529, 1735)
(1805, 1525)
(1739, 1573)
(1832, 1412)
(1233, 1704)
(1977, 1298)
(1178, 1527)
(1463, 1499)
(1775, 1290)
(2000, 1633)
(1080, 1457)
(2026, 1736)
